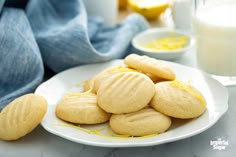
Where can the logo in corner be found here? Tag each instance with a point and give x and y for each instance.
(219, 143)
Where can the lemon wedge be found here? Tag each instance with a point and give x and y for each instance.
(151, 9)
(122, 4)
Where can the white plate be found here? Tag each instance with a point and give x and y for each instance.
(65, 82)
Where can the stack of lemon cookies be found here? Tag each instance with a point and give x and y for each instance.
(137, 98)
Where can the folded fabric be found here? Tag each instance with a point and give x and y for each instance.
(67, 38)
(1, 4)
(21, 66)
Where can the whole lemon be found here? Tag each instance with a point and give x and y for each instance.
(150, 9)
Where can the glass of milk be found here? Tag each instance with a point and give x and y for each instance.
(214, 26)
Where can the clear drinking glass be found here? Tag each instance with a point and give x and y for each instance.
(214, 27)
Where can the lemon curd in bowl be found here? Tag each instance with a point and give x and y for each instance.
(162, 43)
(168, 43)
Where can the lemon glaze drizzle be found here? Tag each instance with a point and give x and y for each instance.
(99, 133)
(180, 85)
(86, 93)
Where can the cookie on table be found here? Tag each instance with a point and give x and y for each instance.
(125, 92)
(21, 116)
(178, 99)
(150, 66)
(141, 123)
(81, 108)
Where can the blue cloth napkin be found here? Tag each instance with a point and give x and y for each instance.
(1, 4)
(21, 65)
(67, 38)
(60, 35)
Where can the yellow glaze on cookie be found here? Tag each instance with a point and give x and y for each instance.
(178, 100)
(189, 89)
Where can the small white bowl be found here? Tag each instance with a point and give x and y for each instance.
(141, 39)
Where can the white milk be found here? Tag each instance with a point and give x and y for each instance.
(215, 30)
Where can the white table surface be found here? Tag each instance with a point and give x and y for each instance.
(40, 143)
